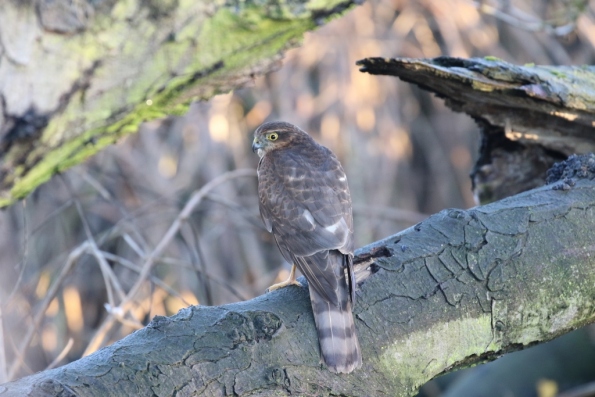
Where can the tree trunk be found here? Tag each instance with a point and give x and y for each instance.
(530, 116)
(77, 75)
(460, 288)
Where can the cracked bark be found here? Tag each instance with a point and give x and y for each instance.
(529, 116)
(460, 288)
(77, 75)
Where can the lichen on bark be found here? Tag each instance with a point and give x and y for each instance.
(460, 288)
(94, 75)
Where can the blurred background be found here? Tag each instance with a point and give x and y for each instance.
(74, 248)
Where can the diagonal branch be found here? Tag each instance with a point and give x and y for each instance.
(530, 116)
(195, 199)
(98, 86)
(457, 289)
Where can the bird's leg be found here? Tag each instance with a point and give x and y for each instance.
(290, 281)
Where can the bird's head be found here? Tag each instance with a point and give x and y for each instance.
(276, 135)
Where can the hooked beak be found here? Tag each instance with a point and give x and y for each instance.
(256, 145)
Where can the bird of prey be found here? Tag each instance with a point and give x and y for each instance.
(306, 205)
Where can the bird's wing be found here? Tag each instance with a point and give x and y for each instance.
(305, 202)
(307, 207)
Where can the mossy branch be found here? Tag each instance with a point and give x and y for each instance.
(529, 116)
(80, 75)
(460, 288)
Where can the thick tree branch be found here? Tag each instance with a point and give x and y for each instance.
(530, 116)
(459, 288)
(78, 75)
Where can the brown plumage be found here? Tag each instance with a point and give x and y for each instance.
(305, 203)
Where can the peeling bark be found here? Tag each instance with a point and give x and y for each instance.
(77, 75)
(460, 288)
(530, 116)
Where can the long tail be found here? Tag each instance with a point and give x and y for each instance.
(339, 345)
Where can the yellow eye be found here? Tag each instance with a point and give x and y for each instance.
(272, 136)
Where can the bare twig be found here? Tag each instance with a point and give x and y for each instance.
(52, 214)
(250, 216)
(19, 355)
(199, 264)
(94, 183)
(223, 283)
(132, 266)
(135, 247)
(62, 354)
(105, 194)
(106, 271)
(3, 368)
(110, 279)
(147, 266)
(70, 262)
(23, 262)
(120, 315)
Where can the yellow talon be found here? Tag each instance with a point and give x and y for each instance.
(290, 281)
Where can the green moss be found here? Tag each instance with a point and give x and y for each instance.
(481, 86)
(323, 4)
(124, 9)
(557, 73)
(228, 43)
(75, 151)
(425, 354)
(493, 58)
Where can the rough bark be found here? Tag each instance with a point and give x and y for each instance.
(530, 116)
(460, 288)
(77, 75)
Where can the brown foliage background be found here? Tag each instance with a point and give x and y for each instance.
(405, 154)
